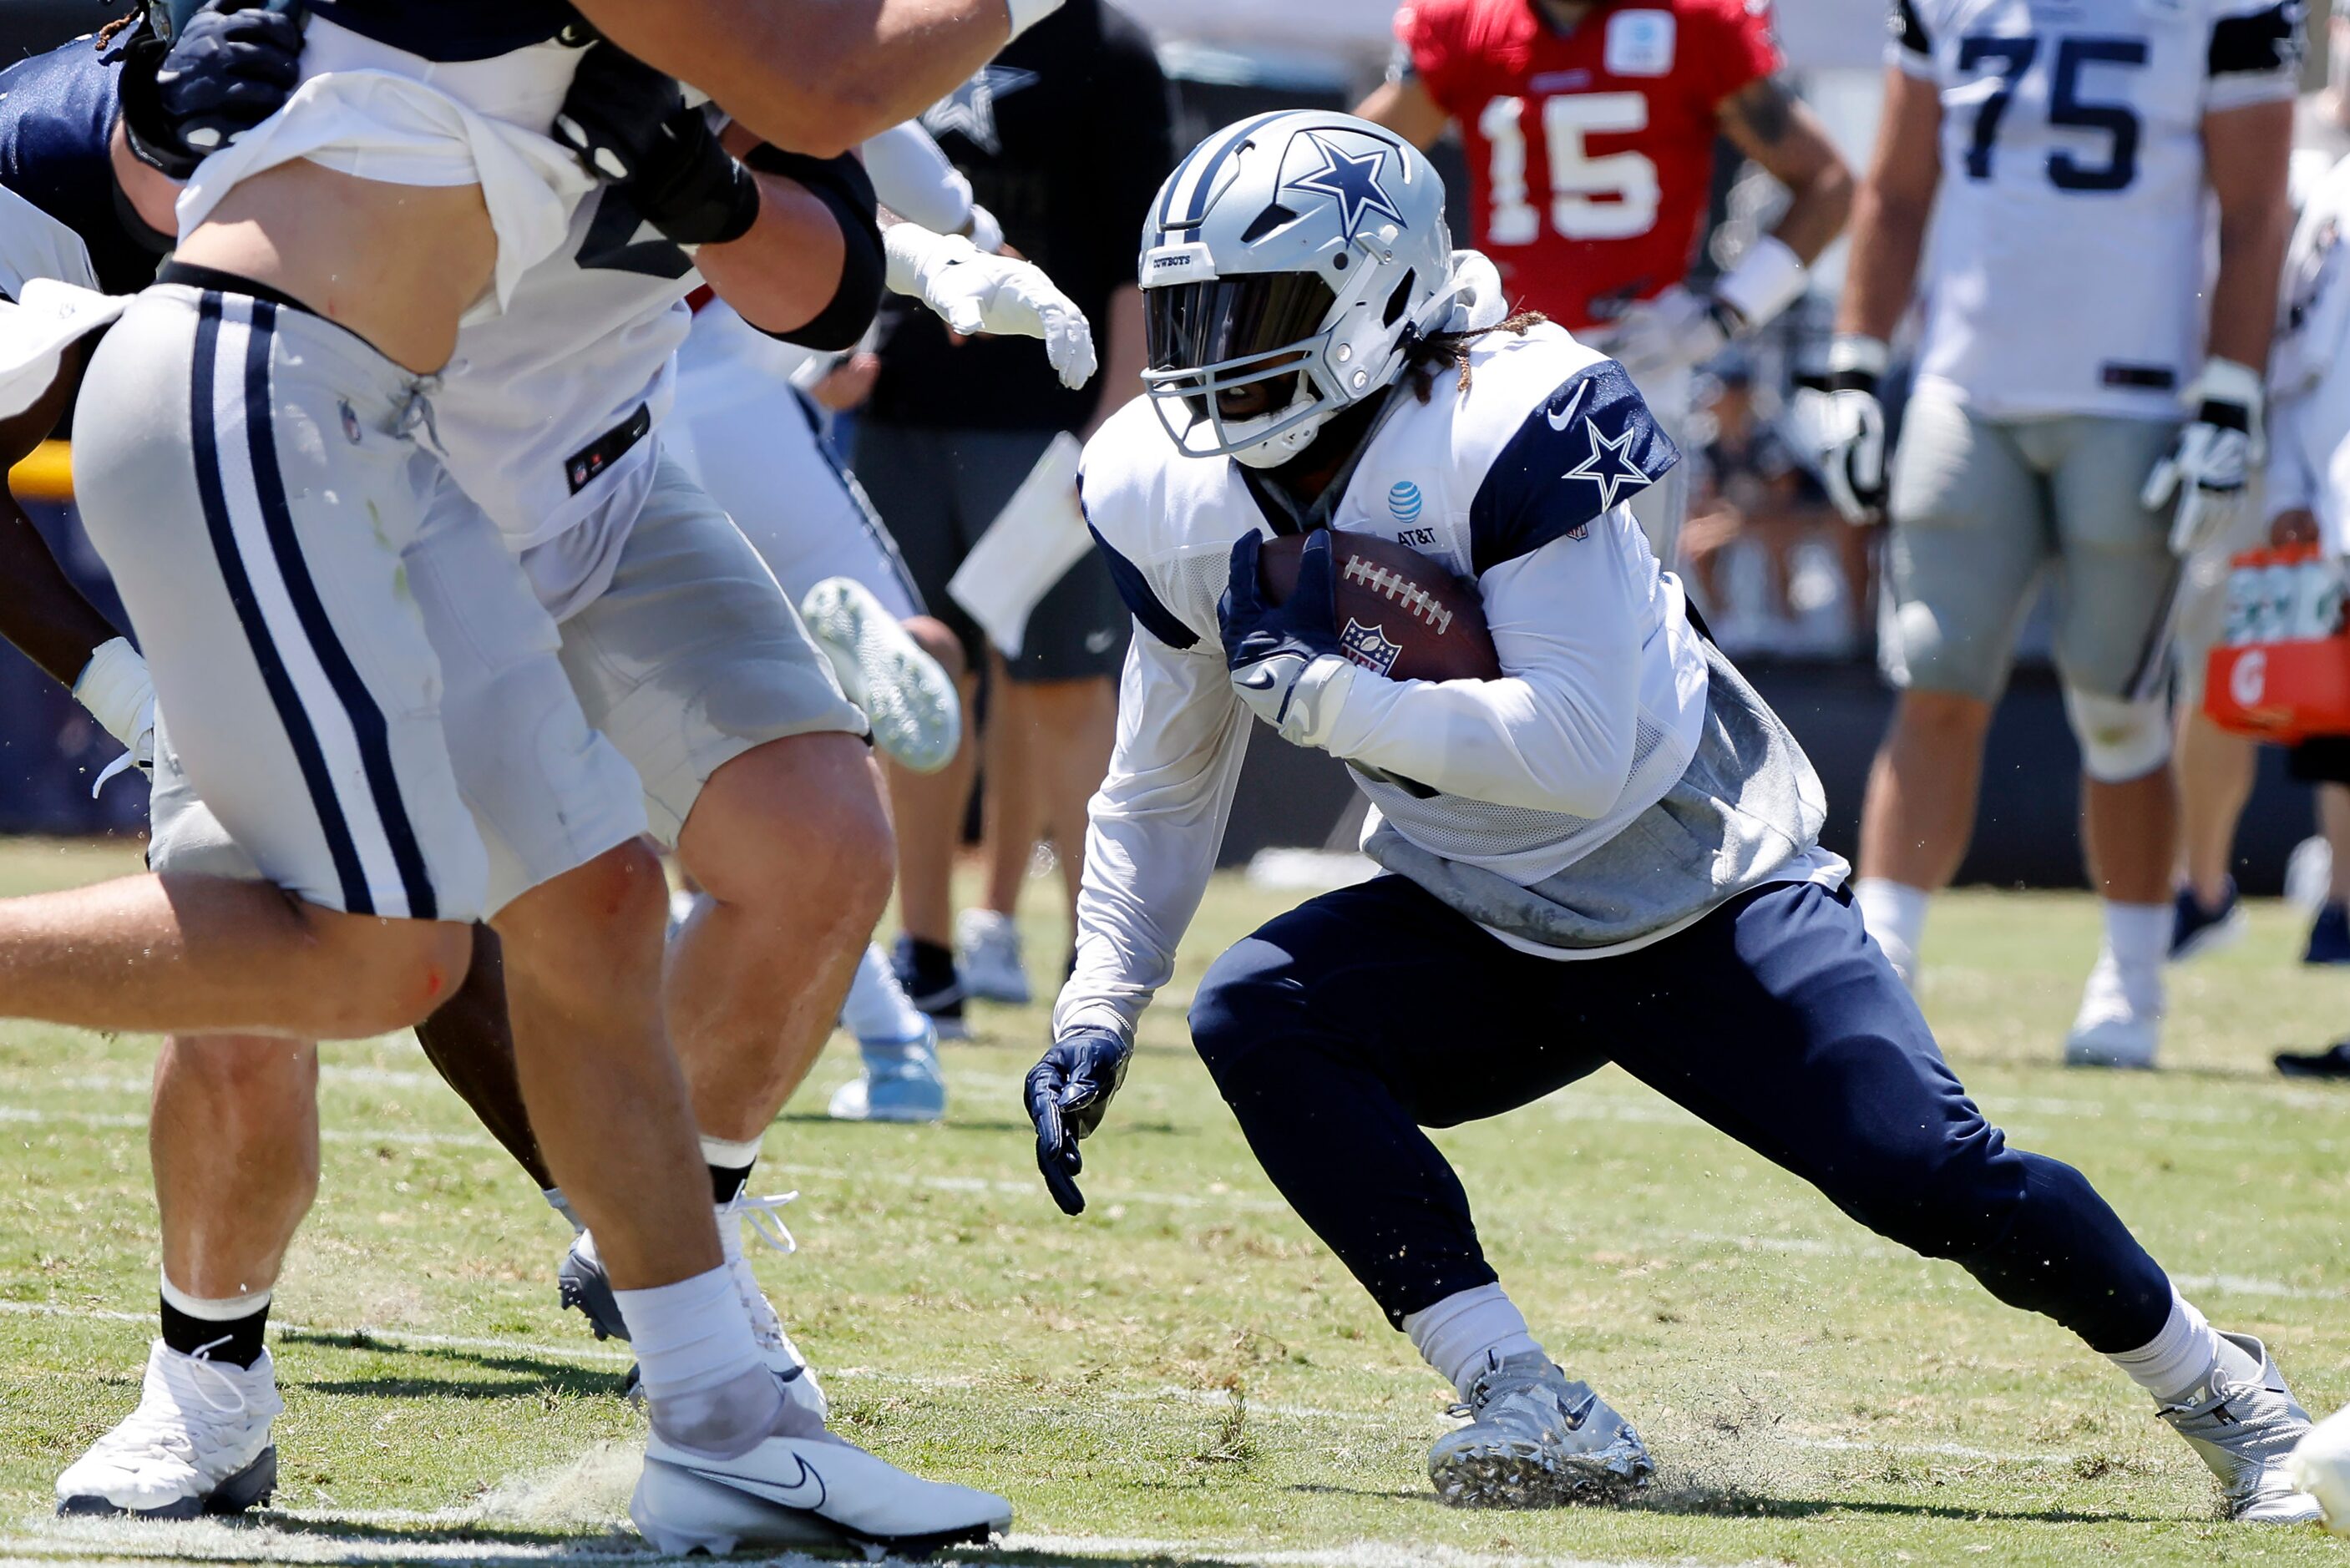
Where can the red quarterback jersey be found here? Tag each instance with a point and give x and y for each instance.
(1590, 154)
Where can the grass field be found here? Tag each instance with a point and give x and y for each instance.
(1183, 1376)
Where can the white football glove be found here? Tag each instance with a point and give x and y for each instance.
(1847, 424)
(976, 293)
(1679, 331)
(121, 695)
(1674, 331)
(2212, 456)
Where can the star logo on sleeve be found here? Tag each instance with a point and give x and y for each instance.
(1609, 465)
(971, 108)
(1352, 180)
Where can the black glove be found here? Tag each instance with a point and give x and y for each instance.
(629, 124)
(233, 66)
(1067, 1092)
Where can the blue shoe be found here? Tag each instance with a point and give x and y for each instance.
(2196, 930)
(901, 1084)
(2329, 936)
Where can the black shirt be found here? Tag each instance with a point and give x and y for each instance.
(451, 30)
(1065, 136)
(57, 115)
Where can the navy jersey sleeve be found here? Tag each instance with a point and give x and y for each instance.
(1587, 446)
(56, 119)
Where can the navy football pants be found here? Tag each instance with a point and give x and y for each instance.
(1341, 1029)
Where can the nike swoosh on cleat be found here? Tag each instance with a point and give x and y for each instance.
(1580, 1413)
(1565, 416)
(806, 1494)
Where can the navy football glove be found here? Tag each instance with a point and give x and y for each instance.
(1285, 659)
(630, 125)
(234, 64)
(1068, 1091)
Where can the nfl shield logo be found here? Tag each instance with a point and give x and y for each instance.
(1368, 646)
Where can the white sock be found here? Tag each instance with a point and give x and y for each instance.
(225, 1310)
(2139, 935)
(1460, 1335)
(2183, 1357)
(728, 1156)
(562, 1205)
(690, 1338)
(1895, 914)
(877, 1008)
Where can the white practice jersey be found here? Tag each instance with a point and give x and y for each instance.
(2072, 245)
(33, 245)
(546, 416)
(1517, 484)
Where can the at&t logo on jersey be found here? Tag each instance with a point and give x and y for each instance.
(1403, 502)
(1640, 43)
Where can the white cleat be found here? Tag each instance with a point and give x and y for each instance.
(987, 956)
(916, 714)
(2247, 1432)
(197, 1444)
(2120, 1020)
(2320, 1466)
(802, 1487)
(1534, 1439)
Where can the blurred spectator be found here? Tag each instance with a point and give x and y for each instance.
(1772, 566)
(1065, 137)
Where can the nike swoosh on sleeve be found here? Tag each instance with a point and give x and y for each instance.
(1566, 417)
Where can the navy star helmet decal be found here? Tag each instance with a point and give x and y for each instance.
(1588, 446)
(1351, 180)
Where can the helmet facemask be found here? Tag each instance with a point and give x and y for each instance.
(1237, 356)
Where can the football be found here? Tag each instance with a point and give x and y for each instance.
(1399, 614)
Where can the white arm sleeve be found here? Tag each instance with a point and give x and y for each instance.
(913, 179)
(1557, 733)
(1156, 825)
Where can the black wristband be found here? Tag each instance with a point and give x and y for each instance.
(846, 190)
(1854, 382)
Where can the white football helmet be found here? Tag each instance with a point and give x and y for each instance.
(1305, 249)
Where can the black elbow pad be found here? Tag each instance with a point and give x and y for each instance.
(843, 187)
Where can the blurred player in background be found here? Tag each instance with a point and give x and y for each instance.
(1064, 137)
(1590, 127)
(2068, 166)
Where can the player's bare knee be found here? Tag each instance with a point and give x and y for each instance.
(234, 1071)
(798, 818)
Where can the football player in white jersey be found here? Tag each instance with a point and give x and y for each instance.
(1610, 853)
(2071, 322)
(684, 650)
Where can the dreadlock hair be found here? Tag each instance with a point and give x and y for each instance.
(117, 28)
(1451, 348)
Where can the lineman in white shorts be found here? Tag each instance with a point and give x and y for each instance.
(265, 575)
(2068, 165)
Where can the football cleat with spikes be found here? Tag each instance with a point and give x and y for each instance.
(2247, 1433)
(916, 713)
(801, 1486)
(586, 1289)
(197, 1444)
(1535, 1440)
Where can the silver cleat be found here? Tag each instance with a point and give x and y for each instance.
(1535, 1440)
(2246, 1432)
